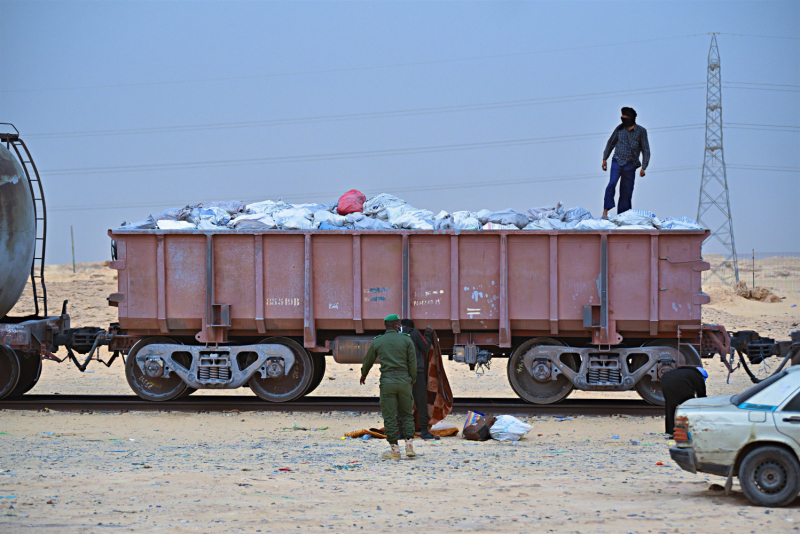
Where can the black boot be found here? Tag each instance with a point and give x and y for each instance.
(427, 435)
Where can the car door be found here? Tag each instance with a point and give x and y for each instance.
(787, 417)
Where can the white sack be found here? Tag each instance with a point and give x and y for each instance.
(508, 428)
(482, 216)
(166, 224)
(596, 224)
(577, 214)
(636, 217)
(334, 219)
(543, 211)
(368, 223)
(296, 222)
(508, 216)
(468, 223)
(498, 226)
(680, 223)
(268, 207)
(378, 204)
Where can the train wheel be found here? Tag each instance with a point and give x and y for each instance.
(285, 388)
(319, 371)
(30, 369)
(650, 390)
(529, 388)
(9, 371)
(149, 388)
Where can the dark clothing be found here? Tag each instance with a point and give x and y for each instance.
(628, 175)
(420, 393)
(678, 386)
(422, 345)
(629, 144)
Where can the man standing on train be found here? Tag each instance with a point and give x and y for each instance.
(422, 345)
(628, 140)
(398, 361)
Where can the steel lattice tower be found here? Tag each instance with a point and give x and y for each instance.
(714, 208)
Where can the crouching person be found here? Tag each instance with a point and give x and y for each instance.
(398, 370)
(678, 386)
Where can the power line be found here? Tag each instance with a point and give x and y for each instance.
(377, 114)
(760, 36)
(347, 155)
(770, 84)
(726, 86)
(356, 154)
(351, 69)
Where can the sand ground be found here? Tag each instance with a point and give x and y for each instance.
(221, 472)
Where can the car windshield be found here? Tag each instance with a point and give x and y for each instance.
(746, 394)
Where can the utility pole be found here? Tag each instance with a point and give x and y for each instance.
(714, 208)
(72, 239)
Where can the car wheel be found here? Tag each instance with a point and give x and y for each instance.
(770, 476)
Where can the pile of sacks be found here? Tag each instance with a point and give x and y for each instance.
(386, 212)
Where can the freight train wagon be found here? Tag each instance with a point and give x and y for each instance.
(586, 309)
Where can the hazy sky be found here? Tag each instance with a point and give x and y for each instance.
(522, 96)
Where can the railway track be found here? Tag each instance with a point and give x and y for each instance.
(219, 403)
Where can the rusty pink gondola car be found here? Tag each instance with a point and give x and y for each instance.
(586, 309)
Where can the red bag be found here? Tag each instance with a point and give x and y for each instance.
(351, 202)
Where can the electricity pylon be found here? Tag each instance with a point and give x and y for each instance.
(714, 208)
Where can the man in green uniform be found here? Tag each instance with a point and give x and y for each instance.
(398, 360)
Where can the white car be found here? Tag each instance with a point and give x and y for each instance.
(754, 435)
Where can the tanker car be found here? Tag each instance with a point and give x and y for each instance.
(220, 309)
(26, 340)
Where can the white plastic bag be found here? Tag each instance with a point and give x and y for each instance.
(576, 214)
(508, 428)
(508, 217)
(296, 222)
(468, 223)
(370, 223)
(267, 206)
(166, 224)
(498, 226)
(377, 205)
(333, 219)
(266, 220)
(680, 223)
(544, 211)
(636, 218)
(596, 224)
(482, 216)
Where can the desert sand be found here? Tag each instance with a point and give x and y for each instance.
(221, 472)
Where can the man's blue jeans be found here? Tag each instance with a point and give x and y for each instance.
(628, 175)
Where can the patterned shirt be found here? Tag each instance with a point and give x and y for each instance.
(629, 143)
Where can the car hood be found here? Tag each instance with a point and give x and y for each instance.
(708, 402)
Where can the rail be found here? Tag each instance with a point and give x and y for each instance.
(221, 403)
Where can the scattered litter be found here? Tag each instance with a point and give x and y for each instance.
(48, 433)
(615, 436)
(659, 463)
(559, 419)
(285, 469)
(634, 442)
